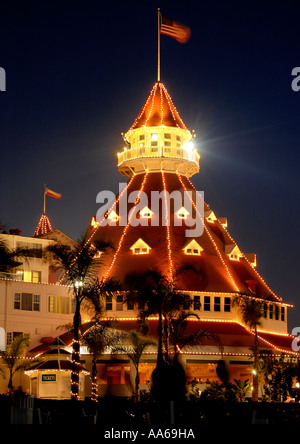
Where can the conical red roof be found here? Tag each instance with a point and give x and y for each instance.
(43, 227)
(158, 110)
(216, 271)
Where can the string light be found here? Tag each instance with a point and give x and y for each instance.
(43, 227)
(243, 256)
(210, 236)
(125, 229)
(167, 222)
(96, 227)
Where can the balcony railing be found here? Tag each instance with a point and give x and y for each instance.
(11, 276)
(167, 152)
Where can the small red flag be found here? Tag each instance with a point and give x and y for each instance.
(52, 193)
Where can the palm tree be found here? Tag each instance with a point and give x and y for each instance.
(97, 338)
(156, 294)
(13, 357)
(180, 338)
(251, 310)
(80, 267)
(134, 347)
(9, 258)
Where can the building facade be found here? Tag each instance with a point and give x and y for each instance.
(159, 221)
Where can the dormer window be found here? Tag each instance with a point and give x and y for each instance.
(113, 217)
(233, 251)
(210, 216)
(140, 247)
(182, 213)
(193, 248)
(94, 223)
(146, 213)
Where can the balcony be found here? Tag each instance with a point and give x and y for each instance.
(175, 153)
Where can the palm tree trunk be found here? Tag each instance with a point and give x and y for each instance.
(137, 385)
(160, 339)
(255, 374)
(94, 381)
(75, 354)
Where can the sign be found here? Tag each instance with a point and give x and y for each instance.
(48, 378)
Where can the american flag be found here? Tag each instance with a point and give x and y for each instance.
(173, 29)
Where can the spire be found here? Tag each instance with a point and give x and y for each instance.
(158, 140)
(158, 110)
(43, 227)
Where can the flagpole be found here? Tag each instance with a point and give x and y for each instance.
(44, 199)
(158, 46)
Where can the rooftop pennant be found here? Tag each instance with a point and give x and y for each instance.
(178, 31)
(52, 193)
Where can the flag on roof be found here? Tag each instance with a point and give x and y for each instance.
(178, 31)
(52, 193)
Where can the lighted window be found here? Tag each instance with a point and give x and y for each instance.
(142, 136)
(193, 248)
(140, 247)
(146, 213)
(30, 276)
(167, 143)
(182, 213)
(233, 252)
(58, 304)
(113, 217)
(210, 216)
(167, 136)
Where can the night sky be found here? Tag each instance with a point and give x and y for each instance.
(78, 73)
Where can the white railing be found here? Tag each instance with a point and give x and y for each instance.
(11, 276)
(168, 152)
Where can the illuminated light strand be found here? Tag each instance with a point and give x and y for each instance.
(171, 105)
(168, 228)
(44, 226)
(161, 107)
(96, 228)
(143, 109)
(255, 271)
(125, 229)
(244, 257)
(210, 236)
(151, 108)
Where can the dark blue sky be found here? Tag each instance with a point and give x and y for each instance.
(78, 73)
